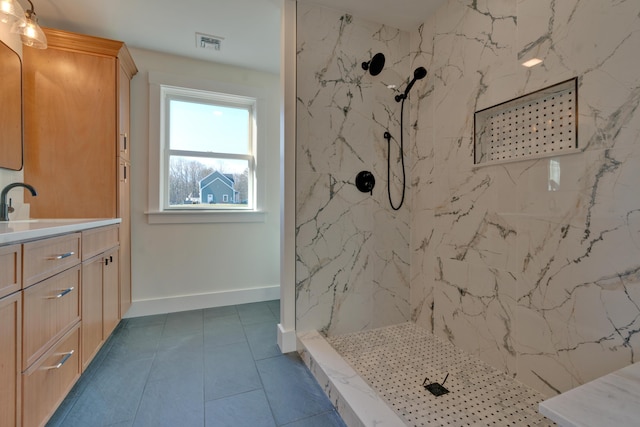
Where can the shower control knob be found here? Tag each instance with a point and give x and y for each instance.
(365, 181)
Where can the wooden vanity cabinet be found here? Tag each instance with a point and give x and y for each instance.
(125, 237)
(77, 133)
(46, 257)
(10, 358)
(47, 381)
(100, 289)
(127, 70)
(51, 308)
(10, 269)
(51, 289)
(110, 292)
(10, 334)
(59, 301)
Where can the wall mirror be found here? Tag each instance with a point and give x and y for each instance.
(10, 109)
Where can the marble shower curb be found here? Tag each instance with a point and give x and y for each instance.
(356, 402)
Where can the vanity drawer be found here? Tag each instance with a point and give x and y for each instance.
(48, 381)
(46, 257)
(10, 269)
(98, 240)
(50, 308)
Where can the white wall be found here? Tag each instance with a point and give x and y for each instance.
(184, 266)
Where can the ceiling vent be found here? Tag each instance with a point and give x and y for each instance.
(206, 41)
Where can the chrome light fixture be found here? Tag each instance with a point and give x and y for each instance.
(29, 30)
(23, 23)
(11, 11)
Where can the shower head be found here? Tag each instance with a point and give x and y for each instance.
(375, 65)
(418, 74)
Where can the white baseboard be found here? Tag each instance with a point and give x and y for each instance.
(287, 340)
(200, 301)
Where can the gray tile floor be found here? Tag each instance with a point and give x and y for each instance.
(214, 367)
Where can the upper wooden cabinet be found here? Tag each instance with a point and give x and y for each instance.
(76, 106)
(77, 133)
(124, 109)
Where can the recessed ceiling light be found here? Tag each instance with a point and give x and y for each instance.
(532, 62)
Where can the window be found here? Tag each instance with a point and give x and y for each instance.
(208, 150)
(205, 138)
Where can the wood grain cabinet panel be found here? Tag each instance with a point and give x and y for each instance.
(51, 308)
(76, 154)
(91, 310)
(10, 359)
(100, 289)
(125, 237)
(98, 240)
(10, 269)
(47, 382)
(77, 133)
(46, 257)
(124, 111)
(70, 133)
(110, 292)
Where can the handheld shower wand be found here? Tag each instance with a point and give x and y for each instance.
(419, 74)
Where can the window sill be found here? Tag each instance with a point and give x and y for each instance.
(204, 217)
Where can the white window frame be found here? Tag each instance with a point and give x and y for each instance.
(170, 93)
(159, 211)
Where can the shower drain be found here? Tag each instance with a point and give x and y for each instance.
(396, 359)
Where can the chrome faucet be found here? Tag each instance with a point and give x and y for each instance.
(4, 207)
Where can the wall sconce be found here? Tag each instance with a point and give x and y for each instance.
(24, 23)
(10, 11)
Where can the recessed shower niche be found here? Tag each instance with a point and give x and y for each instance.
(540, 124)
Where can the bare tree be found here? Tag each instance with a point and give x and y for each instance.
(184, 177)
(241, 185)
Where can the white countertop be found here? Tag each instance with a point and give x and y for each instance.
(16, 231)
(611, 400)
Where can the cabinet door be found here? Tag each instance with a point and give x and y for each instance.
(110, 293)
(50, 308)
(125, 236)
(47, 382)
(10, 359)
(70, 132)
(91, 309)
(10, 269)
(124, 108)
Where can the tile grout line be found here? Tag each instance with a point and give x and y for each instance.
(146, 381)
(255, 363)
(149, 338)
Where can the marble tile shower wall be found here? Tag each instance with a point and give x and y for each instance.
(534, 266)
(352, 249)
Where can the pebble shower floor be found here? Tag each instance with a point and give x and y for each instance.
(395, 361)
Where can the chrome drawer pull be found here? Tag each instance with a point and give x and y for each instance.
(62, 361)
(67, 255)
(63, 293)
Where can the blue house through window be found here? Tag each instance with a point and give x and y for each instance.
(218, 188)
